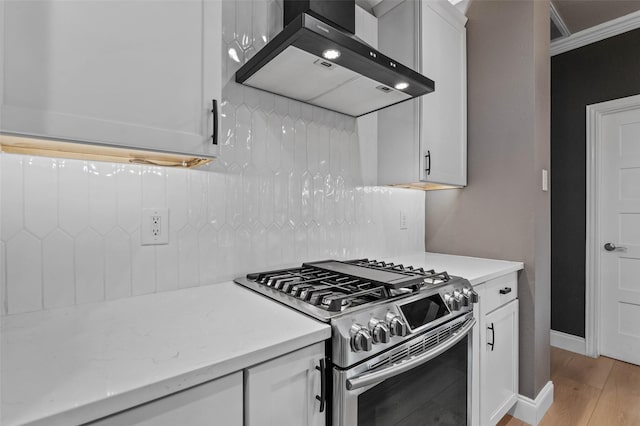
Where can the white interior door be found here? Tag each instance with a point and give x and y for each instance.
(619, 220)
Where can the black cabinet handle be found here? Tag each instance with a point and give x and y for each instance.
(505, 290)
(427, 158)
(214, 110)
(493, 337)
(323, 385)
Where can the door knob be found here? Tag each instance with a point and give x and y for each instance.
(612, 247)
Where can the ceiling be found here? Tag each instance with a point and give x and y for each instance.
(578, 15)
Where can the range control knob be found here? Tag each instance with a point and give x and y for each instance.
(471, 294)
(396, 325)
(361, 339)
(461, 297)
(451, 302)
(379, 331)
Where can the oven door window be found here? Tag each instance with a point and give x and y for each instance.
(434, 393)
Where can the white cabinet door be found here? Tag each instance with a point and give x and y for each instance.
(498, 363)
(218, 402)
(283, 391)
(429, 36)
(443, 116)
(139, 74)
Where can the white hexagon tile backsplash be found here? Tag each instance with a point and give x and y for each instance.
(286, 188)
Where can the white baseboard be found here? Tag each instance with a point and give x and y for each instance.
(532, 411)
(568, 342)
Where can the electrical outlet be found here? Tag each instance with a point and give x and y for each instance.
(155, 226)
(403, 220)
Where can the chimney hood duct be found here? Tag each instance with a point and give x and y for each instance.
(318, 60)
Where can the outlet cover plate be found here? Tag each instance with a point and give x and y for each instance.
(155, 231)
(404, 224)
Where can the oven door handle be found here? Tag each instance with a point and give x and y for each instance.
(404, 366)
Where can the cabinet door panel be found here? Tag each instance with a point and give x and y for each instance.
(214, 403)
(499, 360)
(283, 391)
(443, 121)
(128, 73)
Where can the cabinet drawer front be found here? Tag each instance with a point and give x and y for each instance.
(498, 292)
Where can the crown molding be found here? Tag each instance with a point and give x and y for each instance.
(558, 21)
(385, 6)
(599, 32)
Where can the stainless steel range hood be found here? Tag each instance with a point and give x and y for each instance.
(316, 59)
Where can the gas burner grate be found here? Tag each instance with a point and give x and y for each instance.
(430, 276)
(333, 292)
(336, 286)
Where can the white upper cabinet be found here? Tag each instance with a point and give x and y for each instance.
(136, 74)
(423, 143)
(443, 115)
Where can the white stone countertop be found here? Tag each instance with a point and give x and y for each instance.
(72, 365)
(475, 269)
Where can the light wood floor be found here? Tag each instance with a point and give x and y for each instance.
(588, 391)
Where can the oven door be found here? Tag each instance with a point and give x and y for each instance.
(425, 381)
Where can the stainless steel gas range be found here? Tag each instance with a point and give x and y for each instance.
(400, 351)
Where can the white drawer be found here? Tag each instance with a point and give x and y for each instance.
(497, 292)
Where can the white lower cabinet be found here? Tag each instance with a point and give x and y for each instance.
(283, 391)
(218, 402)
(496, 350)
(499, 363)
(279, 392)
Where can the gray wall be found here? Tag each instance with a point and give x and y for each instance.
(598, 72)
(503, 212)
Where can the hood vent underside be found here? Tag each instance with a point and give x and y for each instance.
(301, 63)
